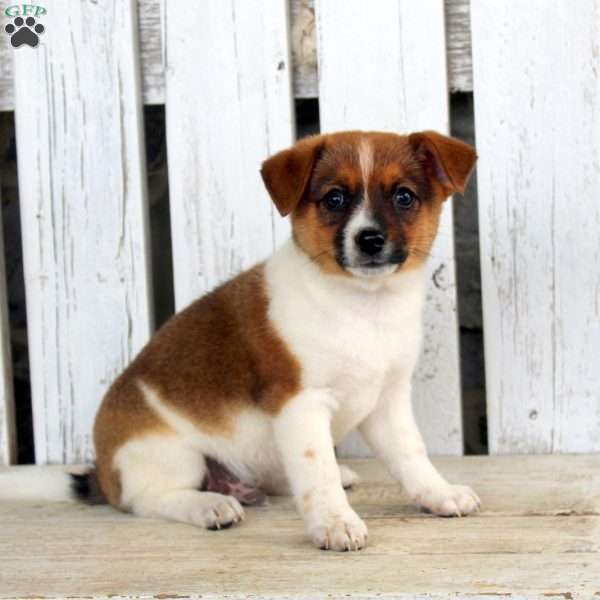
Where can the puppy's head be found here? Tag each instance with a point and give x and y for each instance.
(365, 203)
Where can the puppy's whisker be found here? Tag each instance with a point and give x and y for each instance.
(425, 254)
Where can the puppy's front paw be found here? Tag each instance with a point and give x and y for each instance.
(448, 500)
(339, 532)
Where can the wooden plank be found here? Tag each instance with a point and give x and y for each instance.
(304, 48)
(151, 51)
(413, 95)
(6, 69)
(8, 440)
(458, 45)
(539, 183)
(304, 71)
(82, 187)
(228, 108)
(516, 549)
(149, 28)
(541, 556)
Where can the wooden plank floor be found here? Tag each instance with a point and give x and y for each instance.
(538, 535)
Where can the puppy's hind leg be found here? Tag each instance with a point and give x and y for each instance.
(161, 476)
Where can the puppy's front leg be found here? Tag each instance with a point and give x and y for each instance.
(392, 433)
(303, 434)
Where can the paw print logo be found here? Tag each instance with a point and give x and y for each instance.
(24, 31)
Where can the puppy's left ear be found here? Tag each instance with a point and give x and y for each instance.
(287, 173)
(446, 159)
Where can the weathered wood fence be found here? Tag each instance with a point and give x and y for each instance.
(223, 70)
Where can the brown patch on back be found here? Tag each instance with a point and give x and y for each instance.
(207, 363)
(310, 454)
(220, 355)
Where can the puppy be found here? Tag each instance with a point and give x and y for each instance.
(248, 389)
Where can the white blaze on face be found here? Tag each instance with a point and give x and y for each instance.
(365, 160)
(362, 218)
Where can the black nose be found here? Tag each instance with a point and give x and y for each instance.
(370, 241)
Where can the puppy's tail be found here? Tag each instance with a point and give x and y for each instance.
(50, 484)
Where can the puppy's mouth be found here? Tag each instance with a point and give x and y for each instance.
(372, 269)
(374, 266)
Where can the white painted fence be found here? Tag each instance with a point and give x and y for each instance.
(228, 106)
(537, 97)
(225, 73)
(83, 212)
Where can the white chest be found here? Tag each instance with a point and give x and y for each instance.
(347, 337)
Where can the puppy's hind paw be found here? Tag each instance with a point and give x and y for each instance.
(216, 511)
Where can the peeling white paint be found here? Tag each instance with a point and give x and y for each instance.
(82, 186)
(229, 106)
(537, 92)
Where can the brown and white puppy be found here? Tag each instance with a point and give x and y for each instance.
(252, 385)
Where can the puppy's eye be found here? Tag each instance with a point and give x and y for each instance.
(335, 200)
(403, 198)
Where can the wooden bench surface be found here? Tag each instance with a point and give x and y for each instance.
(538, 535)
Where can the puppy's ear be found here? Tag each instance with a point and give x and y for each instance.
(287, 173)
(446, 159)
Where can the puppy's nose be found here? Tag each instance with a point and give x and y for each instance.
(370, 241)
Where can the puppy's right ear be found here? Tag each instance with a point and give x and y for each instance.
(287, 173)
